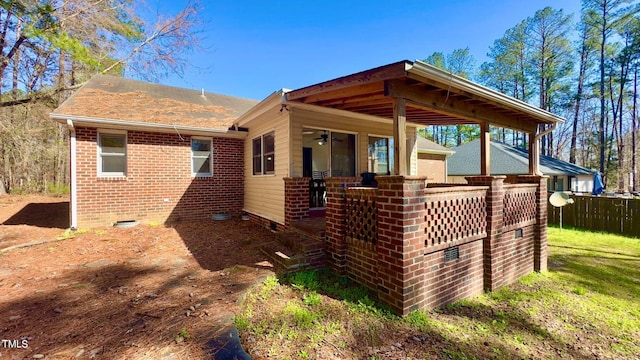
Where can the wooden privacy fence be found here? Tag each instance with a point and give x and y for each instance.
(614, 215)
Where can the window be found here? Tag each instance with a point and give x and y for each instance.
(112, 154)
(343, 154)
(201, 157)
(264, 154)
(380, 157)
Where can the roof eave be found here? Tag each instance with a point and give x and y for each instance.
(436, 152)
(142, 126)
(421, 69)
(277, 97)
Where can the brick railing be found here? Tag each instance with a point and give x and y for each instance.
(419, 247)
(519, 205)
(454, 215)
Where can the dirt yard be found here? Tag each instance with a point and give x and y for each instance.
(146, 292)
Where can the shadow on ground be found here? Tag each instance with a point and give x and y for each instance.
(218, 245)
(47, 215)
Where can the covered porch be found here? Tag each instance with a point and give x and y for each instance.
(420, 246)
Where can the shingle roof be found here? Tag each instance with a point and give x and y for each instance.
(116, 98)
(506, 160)
(428, 146)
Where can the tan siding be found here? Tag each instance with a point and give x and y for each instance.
(433, 166)
(301, 118)
(264, 194)
(456, 179)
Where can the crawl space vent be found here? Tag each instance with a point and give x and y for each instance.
(451, 254)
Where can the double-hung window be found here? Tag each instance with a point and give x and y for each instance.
(112, 154)
(264, 154)
(201, 157)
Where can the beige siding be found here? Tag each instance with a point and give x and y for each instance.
(433, 166)
(412, 136)
(301, 118)
(456, 179)
(264, 194)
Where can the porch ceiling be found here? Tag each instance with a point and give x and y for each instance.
(433, 97)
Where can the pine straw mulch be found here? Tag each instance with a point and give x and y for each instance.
(120, 293)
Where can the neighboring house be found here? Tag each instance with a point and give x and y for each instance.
(155, 153)
(510, 160)
(432, 160)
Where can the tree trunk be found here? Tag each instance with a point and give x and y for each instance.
(634, 121)
(601, 129)
(576, 112)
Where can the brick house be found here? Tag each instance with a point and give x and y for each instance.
(149, 152)
(416, 245)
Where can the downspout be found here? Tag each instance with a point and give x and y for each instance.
(73, 206)
(536, 139)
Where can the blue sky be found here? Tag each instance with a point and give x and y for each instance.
(257, 47)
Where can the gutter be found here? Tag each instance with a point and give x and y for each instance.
(73, 201)
(437, 152)
(125, 124)
(537, 138)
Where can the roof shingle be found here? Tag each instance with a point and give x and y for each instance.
(115, 98)
(506, 160)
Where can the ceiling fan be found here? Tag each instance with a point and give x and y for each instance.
(324, 137)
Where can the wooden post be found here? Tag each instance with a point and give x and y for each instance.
(485, 149)
(400, 136)
(534, 155)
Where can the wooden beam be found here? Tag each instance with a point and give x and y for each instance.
(442, 102)
(391, 71)
(362, 90)
(400, 136)
(485, 149)
(482, 99)
(358, 99)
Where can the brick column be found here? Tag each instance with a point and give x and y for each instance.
(400, 244)
(296, 199)
(334, 225)
(493, 254)
(540, 228)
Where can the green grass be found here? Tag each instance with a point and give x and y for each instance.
(587, 305)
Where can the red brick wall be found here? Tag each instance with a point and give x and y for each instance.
(401, 241)
(447, 282)
(158, 168)
(361, 235)
(517, 259)
(335, 219)
(296, 199)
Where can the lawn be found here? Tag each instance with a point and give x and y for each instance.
(587, 306)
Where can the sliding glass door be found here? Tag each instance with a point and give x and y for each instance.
(328, 153)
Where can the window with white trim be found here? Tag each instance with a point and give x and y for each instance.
(264, 154)
(201, 157)
(112, 154)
